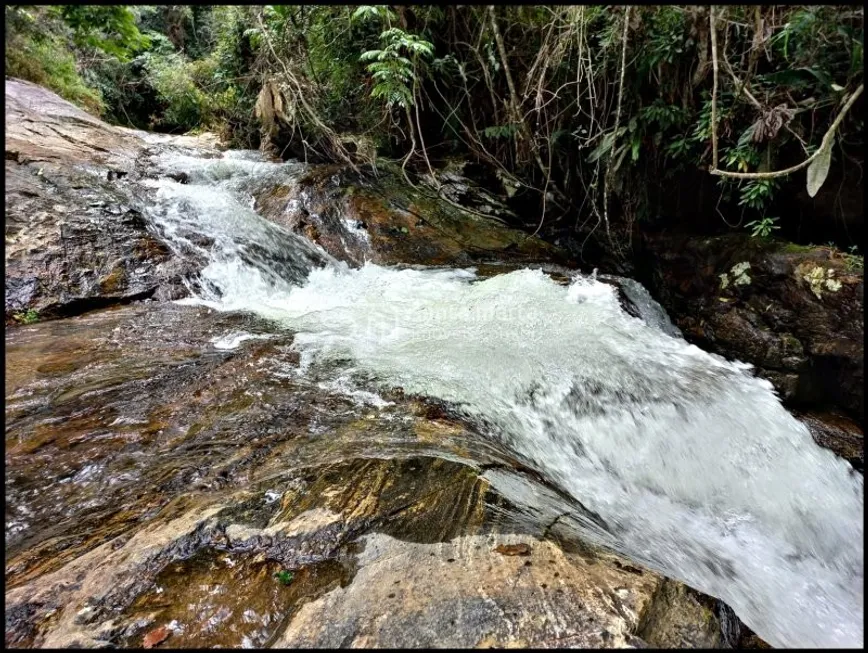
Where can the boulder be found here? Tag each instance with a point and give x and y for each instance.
(796, 313)
(383, 219)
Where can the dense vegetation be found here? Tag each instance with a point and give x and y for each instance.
(587, 117)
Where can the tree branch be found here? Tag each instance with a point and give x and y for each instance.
(617, 123)
(826, 142)
(714, 89)
(513, 96)
(299, 95)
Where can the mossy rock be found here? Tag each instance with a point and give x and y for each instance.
(396, 222)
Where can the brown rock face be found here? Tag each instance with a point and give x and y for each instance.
(42, 127)
(520, 549)
(75, 235)
(798, 316)
(384, 220)
(461, 594)
(677, 617)
(156, 637)
(74, 241)
(836, 432)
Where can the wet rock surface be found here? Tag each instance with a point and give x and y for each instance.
(75, 235)
(382, 219)
(800, 324)
(460, 595)
(838, 433)
(171, 491)
(78, 236)
(75, 241)
(679, 617)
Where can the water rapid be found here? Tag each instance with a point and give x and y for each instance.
(691, 463)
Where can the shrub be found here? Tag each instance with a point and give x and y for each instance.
(37, 51)
(175, 80)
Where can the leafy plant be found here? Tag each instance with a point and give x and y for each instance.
(667, 37)
(762, 228)
(662, 114)
(37, 50)
(757, 193)
(284, 577)
(175, 80)
(500, 131)
(742, 157)
(110, 28)
(853, 261)
(393, 72)
(573, 101)
(26, 317)
(679, 147)
(380, 12)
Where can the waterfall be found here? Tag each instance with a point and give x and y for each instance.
(691, 463)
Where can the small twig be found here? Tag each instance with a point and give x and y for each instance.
(542, 216)
(421, 137)
(513, 95)
(742, 87)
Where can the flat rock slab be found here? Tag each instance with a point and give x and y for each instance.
(464, 594)
(42, 127)
(190, 494)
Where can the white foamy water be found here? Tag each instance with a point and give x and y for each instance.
(233, 340)
(692, 465)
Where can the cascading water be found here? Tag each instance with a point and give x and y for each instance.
(691, 464)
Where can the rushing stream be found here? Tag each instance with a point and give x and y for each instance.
(683, 460)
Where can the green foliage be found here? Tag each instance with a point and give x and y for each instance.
(284, 577)
(48, 63)
(663, 115)
(679, 148)
(667, 39)
(853, 261)
(26, 317)
(176, 81)
(762, 228)
(374, 12)
(183, 67)
(394, 67)
(741, 158)
(500, 131)
(814, 40)
(757, 193)
(606, 144)
(36, 50)
(321, 44)
(110, 28)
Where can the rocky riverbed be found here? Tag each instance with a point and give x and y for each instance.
(174, 478)
(158, 479)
